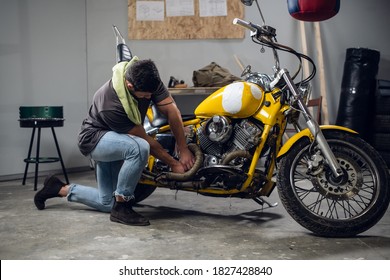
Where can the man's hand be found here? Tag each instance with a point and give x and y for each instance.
(187, 159)
(177, 167)
(169, 109)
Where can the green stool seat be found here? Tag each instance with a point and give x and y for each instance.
(38, 117)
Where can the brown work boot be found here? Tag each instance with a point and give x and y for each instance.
(51, 188)
(122, 212)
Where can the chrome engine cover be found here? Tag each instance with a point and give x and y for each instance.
(231, 137)
(218, 129)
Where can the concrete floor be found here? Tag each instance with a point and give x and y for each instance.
(184, 226)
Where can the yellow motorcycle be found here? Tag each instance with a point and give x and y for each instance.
(329, 180)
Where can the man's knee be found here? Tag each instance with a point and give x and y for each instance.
(144, 147)
(141, 148)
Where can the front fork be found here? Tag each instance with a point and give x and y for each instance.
(311, 123)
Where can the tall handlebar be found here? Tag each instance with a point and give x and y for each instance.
(245, 24)
(259, 31)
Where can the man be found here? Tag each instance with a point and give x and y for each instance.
(113, 135)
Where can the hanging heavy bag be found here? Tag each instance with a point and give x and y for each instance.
(213, 75)
(313, 10)
(358, 88)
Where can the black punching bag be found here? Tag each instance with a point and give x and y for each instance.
(358, 87)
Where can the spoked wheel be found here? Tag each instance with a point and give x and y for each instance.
(329, 206)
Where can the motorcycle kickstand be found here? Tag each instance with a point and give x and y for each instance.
(262, 201)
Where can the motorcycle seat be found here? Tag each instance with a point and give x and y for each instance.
(161, 120)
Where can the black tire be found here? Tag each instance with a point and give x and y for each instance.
(142, 192)
(333, 209)
(386, 156)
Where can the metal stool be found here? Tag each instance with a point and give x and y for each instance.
(41, 117)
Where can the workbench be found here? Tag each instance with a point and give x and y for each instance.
(187, 99)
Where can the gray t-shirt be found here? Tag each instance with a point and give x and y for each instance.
(107, 114)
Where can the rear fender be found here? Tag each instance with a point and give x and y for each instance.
(306, 133)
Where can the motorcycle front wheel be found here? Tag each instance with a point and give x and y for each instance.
(328, 206)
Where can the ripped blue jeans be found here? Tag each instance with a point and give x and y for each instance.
(120, 159)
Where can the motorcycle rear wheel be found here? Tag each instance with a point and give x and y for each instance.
(329, 207)
(142, 192)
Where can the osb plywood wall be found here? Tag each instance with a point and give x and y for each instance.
(187, 27)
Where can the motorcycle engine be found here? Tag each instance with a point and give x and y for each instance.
(220, 136)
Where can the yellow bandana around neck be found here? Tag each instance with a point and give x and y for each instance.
(129, 103)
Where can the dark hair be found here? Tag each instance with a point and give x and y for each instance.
(144, 76)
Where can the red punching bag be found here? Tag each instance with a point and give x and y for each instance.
(313, 10)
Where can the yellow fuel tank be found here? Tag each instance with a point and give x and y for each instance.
(236, 100)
